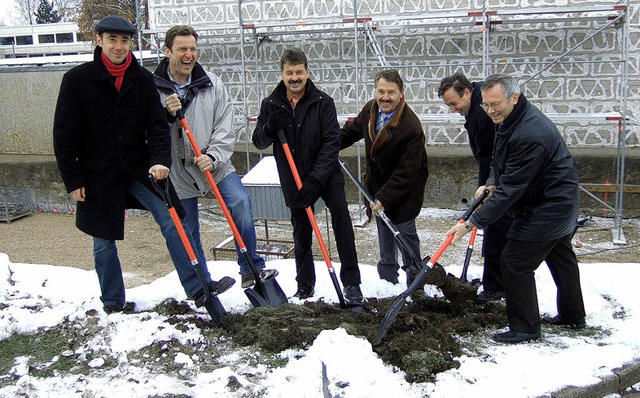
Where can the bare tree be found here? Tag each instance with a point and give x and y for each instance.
(69, 10)
(26, 10)
(93, 10)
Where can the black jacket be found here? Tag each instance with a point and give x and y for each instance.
(103, 139)
(396, 159)
(536, 178)
(313, 135)
(481, 133)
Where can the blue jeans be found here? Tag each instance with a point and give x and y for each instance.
(107, 263)
(237, 199)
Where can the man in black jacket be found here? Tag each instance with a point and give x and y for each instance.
(464, 97)
(307, 116)
(110, 133)
(534, 178)
(396, 167)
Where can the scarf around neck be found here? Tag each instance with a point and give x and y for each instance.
(114, 70)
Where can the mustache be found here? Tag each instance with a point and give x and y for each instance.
(295, 81)
(386, 101)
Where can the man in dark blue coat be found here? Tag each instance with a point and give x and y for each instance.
(110, 133)
(464, 97)
(533, 177)
(307, 116)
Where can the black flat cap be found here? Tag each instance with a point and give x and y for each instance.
(113, 23)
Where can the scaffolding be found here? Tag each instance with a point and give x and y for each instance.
(492, 28)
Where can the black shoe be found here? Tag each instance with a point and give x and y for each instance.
(249, 280)
(216, 288)
(304, 291)
(485, 296)
(353, 295)
(111, 308)
(512, 337)
(559, 321)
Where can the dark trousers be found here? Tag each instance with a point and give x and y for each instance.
(388, 265)
(519, 261)
(335, 199)
(493, 243)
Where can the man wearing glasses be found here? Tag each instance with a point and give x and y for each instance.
(532, 177)
(462, 96)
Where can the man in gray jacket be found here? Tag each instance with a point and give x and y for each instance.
(184, 84)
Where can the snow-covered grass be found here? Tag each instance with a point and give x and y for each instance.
(35, 297)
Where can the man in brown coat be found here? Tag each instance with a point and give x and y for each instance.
(396, 166)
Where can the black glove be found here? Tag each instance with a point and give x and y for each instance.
(308, 194)
(276, 121)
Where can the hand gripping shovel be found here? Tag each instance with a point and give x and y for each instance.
(390, 316)
(401, 240)
(211, 301)
(266, 292)
(314, 224)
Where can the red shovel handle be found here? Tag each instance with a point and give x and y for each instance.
(312, 217)
(212, 183)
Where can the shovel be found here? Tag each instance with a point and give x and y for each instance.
(211, 301)
(391, 314)
(266, 292)
(314, 224)
(400, 239)
(467, 256)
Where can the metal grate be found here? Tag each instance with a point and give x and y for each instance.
(15, 203)
(268, 249)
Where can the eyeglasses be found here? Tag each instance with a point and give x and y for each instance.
(493, 106)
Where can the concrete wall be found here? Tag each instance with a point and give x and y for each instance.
(452, 176)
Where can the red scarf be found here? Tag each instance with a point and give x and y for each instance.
(114, 70)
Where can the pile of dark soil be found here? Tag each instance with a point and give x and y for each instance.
(422, 341)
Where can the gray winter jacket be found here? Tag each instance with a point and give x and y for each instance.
(209, 113)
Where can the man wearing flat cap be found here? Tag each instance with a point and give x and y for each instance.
(110, 133)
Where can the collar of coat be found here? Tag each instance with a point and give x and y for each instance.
(515, 116)
(385, 132)
(199, 81)
(101, 73)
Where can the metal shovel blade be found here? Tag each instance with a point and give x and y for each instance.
(215, 309)
(399, 303)
(266, 293)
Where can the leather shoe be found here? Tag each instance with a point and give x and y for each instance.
(485, 296)
(216, 288)
(512, 337)
(304, 291)
(559, 321)
(353, 294)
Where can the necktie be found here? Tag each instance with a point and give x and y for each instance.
(382, 120)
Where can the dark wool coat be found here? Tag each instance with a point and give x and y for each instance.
(103, 139)
(396, 160)
(313, 135)
(481, 132)
(535, 177)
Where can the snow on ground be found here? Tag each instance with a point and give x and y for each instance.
(33, 296)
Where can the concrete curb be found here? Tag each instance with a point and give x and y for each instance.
(622, 378)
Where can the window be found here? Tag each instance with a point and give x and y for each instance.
(6, 41)
(64, 37)
(43, 39)
(24, 40)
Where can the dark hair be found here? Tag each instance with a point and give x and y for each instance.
(509, 84)
(178, 30)
(293, 56)
(390, 75)
(458, 81)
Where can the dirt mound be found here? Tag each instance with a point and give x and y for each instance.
(422, 341)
